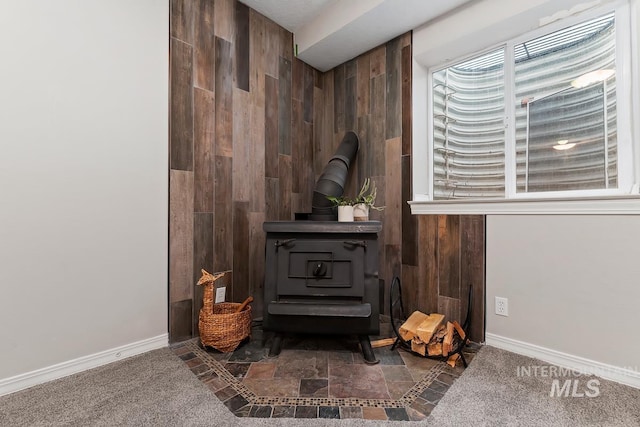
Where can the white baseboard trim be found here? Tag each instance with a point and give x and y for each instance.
(39, 376)
(628, 375)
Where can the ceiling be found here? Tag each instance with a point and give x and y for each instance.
(330, 32)
(290, 14)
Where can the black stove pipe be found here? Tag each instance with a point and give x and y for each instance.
(333, 178)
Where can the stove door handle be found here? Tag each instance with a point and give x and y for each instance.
(361, 243)
(284, 242)
(320, 269)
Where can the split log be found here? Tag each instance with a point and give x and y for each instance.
(429, 326)
(421, 325)
(447, 343)
(453, 359)
(459, 329)
(418, 346)
(439, 334)
(408, 330)
(383, 342)
(434, 349)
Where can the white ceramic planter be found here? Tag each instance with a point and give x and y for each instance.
(361, 212)
(345, 213)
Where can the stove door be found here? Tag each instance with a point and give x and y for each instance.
(321, 268)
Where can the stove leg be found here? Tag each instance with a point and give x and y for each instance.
(367, 351)
(276, 345)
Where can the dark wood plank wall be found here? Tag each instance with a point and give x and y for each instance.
(436, 257)
(241, 148)
(252, 128)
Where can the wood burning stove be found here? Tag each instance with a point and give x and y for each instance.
(322, 277)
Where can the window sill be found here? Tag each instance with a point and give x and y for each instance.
(614, 205)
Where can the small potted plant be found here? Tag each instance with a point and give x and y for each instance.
(365, 200)
(345, 208)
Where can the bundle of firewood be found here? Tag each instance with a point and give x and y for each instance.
(429, 334)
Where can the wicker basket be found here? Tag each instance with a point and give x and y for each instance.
(220, 326)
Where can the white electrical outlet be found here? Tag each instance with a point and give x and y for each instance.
(220, 293)
(502, 306)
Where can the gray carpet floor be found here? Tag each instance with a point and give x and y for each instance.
(157, 389)
(491, 393)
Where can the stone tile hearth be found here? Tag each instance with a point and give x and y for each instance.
(320, 377)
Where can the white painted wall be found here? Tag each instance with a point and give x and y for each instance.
(572, 282)
(83, 178)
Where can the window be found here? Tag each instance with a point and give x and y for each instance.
(565, 110)
(544, 116)
(468, 128)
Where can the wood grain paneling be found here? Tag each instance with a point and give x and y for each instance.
(203, 252)
(223, 239)
(297, 79)
(381, 199)
(409, 221)
(308, 178)
(181, 109)
(449, 255)
(338, 99)
(272, 199)
(181, 20)
(231, 88)
(365, 155)
(261, 126)
(257, 161)
(286, 44)
(350, 103)
(224, 98)
(298, 148)
(428, 265)
(180, 320)
(241, 286)
(284, 188)
(257, 59)
(472, 271)
(406, 101)
(393, 67)
(180, 235)
(297, 203)
(241, 45)
(204, 46)
(406, 39)
(257, 102)
(257, 241)
(363, 80)
(393, 197)
(323, 129)
(377, 124)
(377, 61)
(204, 140)
(224, 14)
(410, 275)
(450, 307)
(350, 68)
(307, 93)
(318, 129)
(271, 127)
(272, 48)
(284, 107)
(393, 268)
(242, 151)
